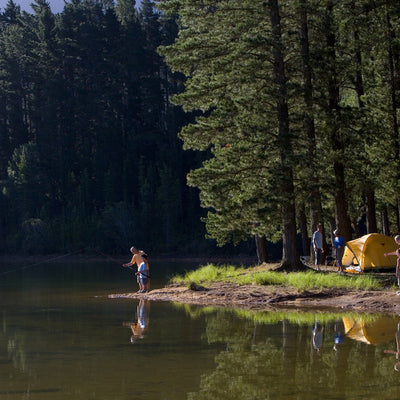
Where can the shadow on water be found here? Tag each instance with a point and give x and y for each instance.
(62, 338)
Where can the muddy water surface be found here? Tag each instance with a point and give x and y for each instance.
(61, 337)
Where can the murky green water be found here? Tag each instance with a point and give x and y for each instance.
(62, 338)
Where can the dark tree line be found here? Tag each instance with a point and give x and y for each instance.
(89, 153)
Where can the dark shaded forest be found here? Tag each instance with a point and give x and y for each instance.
(89, 153)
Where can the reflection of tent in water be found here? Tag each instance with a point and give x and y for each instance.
(377, 331)
(368, 252)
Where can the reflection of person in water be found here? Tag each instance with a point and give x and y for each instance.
(338, 337)
(397, 352)
(139, 328)
(317, 337)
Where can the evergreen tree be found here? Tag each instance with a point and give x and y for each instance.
(14, 86)
(312, 163)
(11, 14)
(244, 119)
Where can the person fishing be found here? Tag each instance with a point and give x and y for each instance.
(139, 257)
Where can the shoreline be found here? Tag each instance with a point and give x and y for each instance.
(269, 298)
(252, 297)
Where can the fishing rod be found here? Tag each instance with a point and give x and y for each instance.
(114, 260)
(124, 265)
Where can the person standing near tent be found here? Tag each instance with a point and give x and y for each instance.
(396, 253)
(317, 245)
(339, 244)
(140, 259)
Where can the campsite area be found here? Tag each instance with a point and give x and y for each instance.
(363, 255)
(260, 297)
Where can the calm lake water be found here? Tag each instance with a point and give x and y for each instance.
(62, 338)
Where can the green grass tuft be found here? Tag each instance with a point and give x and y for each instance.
(299, 280)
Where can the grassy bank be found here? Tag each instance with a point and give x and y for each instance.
(300, 280)
(273, 317)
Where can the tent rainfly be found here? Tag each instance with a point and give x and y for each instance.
(367, 252)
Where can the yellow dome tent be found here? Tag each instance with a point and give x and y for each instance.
(367, 252)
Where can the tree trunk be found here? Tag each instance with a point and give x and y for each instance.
(356, 227)
(262, 252)
(309, 126)
(290, 255)
(394, 86)
(305, 240)
(359, 86)
(359, 83)
(372, 226)
(343, 222)
(385, 222)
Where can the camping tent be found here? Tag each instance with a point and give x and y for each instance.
(368, 252)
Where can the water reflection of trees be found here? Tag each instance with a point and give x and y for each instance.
(14, 345)
(278, 361)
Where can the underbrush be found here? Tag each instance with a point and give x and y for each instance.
(300, 280)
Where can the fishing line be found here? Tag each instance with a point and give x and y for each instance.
(40, 262)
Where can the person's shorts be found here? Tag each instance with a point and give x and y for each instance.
(318, 253)
(339, 255)
(143, 280)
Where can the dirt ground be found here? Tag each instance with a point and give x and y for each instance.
(268, 298)
(276, 297)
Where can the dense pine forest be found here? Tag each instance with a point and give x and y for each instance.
(89, 153)
(231, 119)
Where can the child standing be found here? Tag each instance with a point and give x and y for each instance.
(396, 253)
(143, 274)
